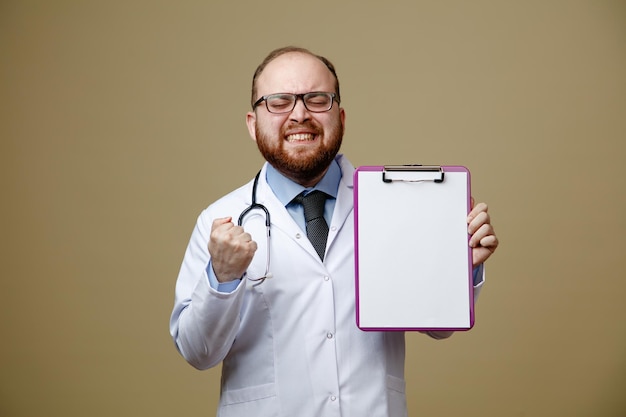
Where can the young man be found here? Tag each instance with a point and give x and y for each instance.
(279, 311)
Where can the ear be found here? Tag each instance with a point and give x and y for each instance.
(251, 122)
(342, 116)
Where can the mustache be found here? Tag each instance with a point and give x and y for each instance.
(306, 125)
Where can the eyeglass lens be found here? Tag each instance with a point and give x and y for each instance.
(284, 103)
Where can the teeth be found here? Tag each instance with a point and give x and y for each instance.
(299, 137)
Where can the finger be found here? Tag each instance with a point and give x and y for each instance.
(478, 221)
(486, 248)
(220, 229)
(252, 246)
(476, 210)
(490, 242)
(482, 232)
(239, 245)
(241, 236)
(222, 220)
(484, 237)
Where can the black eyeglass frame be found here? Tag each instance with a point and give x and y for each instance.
(333, 99)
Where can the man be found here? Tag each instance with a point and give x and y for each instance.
(279, 314)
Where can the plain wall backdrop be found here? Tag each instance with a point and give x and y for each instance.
(121, 120)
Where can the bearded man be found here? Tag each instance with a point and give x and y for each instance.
(278, 311)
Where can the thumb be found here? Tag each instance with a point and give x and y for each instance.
(221, 221)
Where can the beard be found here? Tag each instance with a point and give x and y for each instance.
(306, 164)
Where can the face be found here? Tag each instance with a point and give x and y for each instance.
(300, 144)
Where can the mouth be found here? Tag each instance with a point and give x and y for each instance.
(300, 137)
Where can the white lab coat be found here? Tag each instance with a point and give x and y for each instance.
(290, 346)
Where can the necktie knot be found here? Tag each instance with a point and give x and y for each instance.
(316, 226)
(313, 204)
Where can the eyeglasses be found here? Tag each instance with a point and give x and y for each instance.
(316, 102)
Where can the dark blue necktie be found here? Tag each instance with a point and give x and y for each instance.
(316, 226)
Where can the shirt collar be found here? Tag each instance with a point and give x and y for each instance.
(286, 189)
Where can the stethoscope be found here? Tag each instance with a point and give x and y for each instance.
(259, 206)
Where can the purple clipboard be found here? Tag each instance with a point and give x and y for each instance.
(413, 262)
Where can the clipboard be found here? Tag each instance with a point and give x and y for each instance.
(413, 263)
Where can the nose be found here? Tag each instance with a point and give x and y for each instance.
(300, 113)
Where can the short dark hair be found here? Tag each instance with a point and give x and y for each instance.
(289, 49)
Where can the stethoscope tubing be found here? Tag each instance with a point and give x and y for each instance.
(257, 206)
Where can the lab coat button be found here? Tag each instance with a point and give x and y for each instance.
(329, 335)
(333, 398)
(334, 228)
(298, 235)
(326, 278)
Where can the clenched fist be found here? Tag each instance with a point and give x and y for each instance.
(231, 249)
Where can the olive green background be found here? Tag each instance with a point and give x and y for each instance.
(121, 120)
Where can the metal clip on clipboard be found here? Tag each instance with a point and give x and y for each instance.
(413, 168)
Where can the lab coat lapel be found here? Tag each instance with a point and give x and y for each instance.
(345, 200)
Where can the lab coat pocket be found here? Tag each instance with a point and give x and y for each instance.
(395, 384)
(396, 396)
(255, 400)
